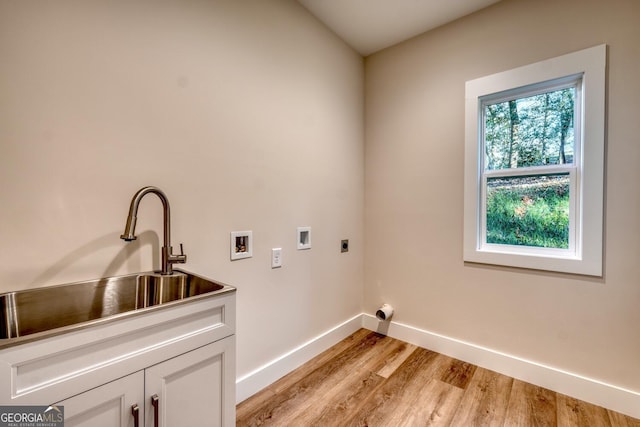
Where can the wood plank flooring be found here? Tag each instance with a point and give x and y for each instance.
(372, 380)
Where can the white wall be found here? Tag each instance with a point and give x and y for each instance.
(248, 114)
(414, 192)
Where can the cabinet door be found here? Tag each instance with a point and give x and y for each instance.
(196, 389)
(108, 405)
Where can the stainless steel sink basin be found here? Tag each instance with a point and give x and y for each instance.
(60, 308)
(154, 289)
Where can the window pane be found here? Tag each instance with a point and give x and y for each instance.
(533, 131)
(529, 211)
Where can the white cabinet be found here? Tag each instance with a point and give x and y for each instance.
(184, 354)
(108, 405)
(194, 389)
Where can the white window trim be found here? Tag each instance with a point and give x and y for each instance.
(587, 257)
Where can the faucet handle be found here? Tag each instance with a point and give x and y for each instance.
(181, 259)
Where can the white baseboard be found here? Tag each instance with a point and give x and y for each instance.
(255, 381)
(579, 387)
(589, 390)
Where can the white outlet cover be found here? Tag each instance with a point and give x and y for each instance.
(241, 245)
(304, 238)
(276, 257)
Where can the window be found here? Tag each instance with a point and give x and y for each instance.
(528, 141)
(534, 165)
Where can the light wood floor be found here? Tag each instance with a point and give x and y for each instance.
(372, 380)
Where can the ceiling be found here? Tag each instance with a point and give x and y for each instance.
(372, 25)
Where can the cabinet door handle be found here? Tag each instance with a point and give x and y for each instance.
(135, 411)
(155, 401)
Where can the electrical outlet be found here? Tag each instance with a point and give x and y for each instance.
(276, 257)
